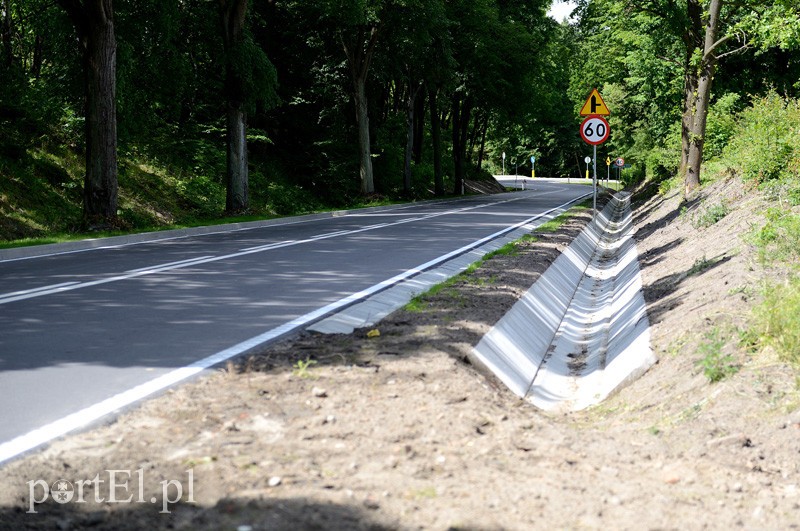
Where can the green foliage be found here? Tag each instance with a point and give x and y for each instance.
(722, 124)
(715, 363)
(777, 320)
(710, 215)
(779, 238)
(302, 368)
(767, 146)
(202, 195)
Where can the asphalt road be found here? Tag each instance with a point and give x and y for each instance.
(94, 329)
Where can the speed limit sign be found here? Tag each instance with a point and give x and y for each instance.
(594, 130)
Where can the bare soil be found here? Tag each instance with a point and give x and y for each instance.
(397, 431)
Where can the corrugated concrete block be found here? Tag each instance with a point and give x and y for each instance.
(581, 331)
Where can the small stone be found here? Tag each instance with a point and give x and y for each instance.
(244, 528)
(319, 392)
(274, 481)
(739, 440)
(330, 419)
(671, 479)
(371, 503)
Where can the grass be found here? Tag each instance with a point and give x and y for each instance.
(302, 369)
(710, 216)
(779, 239)
(419, 303)
(700, 265)
(777, 321)
(715, 363)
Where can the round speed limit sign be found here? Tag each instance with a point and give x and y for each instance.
(594, 130)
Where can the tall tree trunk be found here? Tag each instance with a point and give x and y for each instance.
(419, 125)
(94, 22)
(38, 57)
(6, 29)
(364, 144)
(693, 41)
(482, 149)
(436, 141)
(413, 94)
(233, 14)
(237, 197)
(702, 98)
(359, 57)
(461, 119)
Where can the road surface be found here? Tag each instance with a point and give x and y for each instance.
(83, 334)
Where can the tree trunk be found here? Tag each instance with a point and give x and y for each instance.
(413, 93)
(100, 185)
(419, 125)
(689, 90)
(233, 13)
(364, 144)
(436, 141)
(94, 23)
(38, 57)
(359, 57)
(482, 149)
(461, 119)
(693, 41)
(237, 199)
(702, 98)
(8, 52)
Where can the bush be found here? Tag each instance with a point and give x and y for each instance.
(767, 145)
(202, 195)
(777, 320)
(779, 238)
(721, 125)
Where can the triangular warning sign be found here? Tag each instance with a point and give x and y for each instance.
(595, 105)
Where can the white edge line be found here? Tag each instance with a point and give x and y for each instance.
(79, 419)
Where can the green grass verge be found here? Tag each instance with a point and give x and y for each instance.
(777, 321)
(420, 302)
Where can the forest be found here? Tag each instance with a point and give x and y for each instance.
(135, 114)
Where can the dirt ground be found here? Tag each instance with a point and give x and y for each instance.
(397, 431)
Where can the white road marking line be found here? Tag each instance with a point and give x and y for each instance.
(183, 263)
(35, 290)
(134, 273)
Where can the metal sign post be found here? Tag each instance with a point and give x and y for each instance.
(594, 130)
(594, 184)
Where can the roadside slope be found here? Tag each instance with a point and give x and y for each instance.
(368, 431)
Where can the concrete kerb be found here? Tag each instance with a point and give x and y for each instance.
(581, 331)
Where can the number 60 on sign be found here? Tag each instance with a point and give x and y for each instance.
(594, 130)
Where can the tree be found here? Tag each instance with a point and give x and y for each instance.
(358, 42)
(234, 13)
(94, 24)
(250, 79)
(698, 91)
